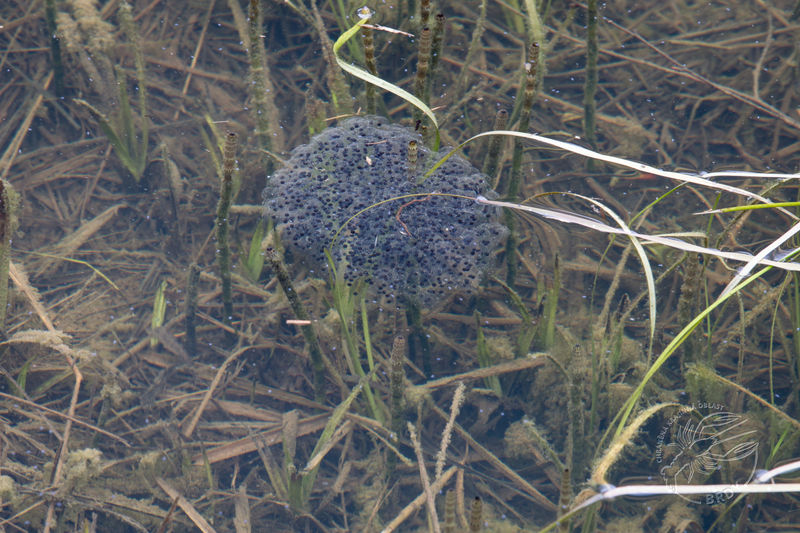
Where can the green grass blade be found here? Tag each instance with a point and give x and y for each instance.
(735, 208)
(22, 377)
(79, 262)
(125, 113)
(214, 147)
(367, 341)
(255, 257)
(120, 147)
(627, 408)
(485, 357)
(310, 475)
(159, 310)
(529, 326)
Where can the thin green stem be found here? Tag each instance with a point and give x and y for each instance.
(223, 207)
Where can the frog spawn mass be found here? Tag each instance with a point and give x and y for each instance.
(421, 247)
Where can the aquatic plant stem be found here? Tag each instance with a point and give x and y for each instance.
(223, 207)
(139, 150)
(339, 90)
(436, 51)
(258, 86)
(55, 48)
(126, 20)
(418, 340)
(190, 342)
(447, 434)
(378, 82)
(676, 342)
(474, 47)
(512, 191)
(9, 201)
(397, 376)
(424, 479)
(590, 86)
(476, 515)
(495, 145)
(314, 350)
(424, 13)
(485, 357)
(423, 62)
(369, 60)
(450, 511)
(396, 382)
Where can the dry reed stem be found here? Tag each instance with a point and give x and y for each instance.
(195, 56)
(769, 406)
(58, 414)
(77, 238)
(196, 518)
(447, 434)
(418, 502)
(601, 323)
(340, 433)
(221, 371)
(23, 512)
(241, 506)
(433, 517)
(20, 279)
(461, 512)
(614, 450)
(681, 69)
(269, 437)
(533, 360)
(55, 478)
(7, 160)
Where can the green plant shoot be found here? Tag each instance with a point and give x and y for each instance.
(159, 310)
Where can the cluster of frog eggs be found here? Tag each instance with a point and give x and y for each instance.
(421, 247)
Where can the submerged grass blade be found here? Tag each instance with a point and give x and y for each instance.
(485, 357)
(159, 311)
(529, 326)
(648, 271)
(696, 179)
(674, 345)
(760, 257)
(120, 148)
(79, 262)
(133, 157)
(254, 263)
(344, 302)
(751, 207)
(309, 473)
(587, 222)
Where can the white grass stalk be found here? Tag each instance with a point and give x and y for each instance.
(696, 179)
(760, 257)
(672, 242)
(689, 490)
(761, 484)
